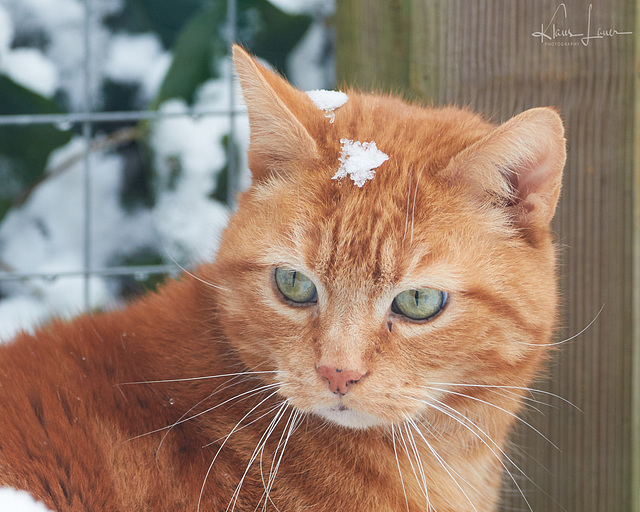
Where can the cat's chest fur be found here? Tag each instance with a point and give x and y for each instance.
(379, 305)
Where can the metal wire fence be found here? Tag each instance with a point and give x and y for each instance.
(86, 121)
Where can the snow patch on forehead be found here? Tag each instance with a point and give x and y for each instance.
(358, 159)
(327, 100)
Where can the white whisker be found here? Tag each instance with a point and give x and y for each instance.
(289, 428)
(524, 400)
(415, 194)
(267, 413)
(217, 287)
(395, 451)
(217, 390)
(445, 466)
(500, 409)
(406, 450)
(246, 394)
(234, 429)
(416, 453)
(568, 339)
(530, 390)
(485, 443)
(258, 450)
(521, 400)
(195, 378)
(406, 220)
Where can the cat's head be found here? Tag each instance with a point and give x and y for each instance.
(370, 302)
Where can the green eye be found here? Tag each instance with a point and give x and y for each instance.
(295, 286)
(420, 304)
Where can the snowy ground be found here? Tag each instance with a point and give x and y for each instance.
(46, 233)
(19, 501)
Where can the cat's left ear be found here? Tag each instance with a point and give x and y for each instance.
(522, 161)
(275, 109)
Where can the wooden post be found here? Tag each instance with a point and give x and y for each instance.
(635, 452)
(484, 55)
(378, 35)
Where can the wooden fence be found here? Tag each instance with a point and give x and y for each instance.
(501, 57)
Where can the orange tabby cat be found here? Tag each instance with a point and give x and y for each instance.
(352, 348)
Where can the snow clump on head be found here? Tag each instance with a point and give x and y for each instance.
(358, 159)
(328, 101)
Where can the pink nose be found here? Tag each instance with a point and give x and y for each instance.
(340, 381)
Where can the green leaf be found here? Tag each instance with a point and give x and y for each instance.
(164, 17)
(24, 150)
(198, 47)
(269, 32)
(262, 28)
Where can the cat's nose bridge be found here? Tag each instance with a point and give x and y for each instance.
(342, 356)
(342, 342)
(340, 359)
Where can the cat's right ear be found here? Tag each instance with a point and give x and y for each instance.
(277, 135)
(521, 162)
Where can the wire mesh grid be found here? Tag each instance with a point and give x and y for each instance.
(86, 120)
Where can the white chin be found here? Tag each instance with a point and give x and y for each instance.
(349, 418)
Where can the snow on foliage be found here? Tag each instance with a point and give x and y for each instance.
(187, 149)
(6, 33)
(30, 68)
(358, 159)
(308, 65)
(45, 235)
(193, 144)
(19, 501)
(306, 6)
(138, 58)
(61, 23)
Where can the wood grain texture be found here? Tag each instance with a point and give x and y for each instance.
(378, 46)
(635, 452)
(483, 55)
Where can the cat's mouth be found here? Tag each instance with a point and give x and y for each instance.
(348, 417)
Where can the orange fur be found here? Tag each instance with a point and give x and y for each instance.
(460, 206)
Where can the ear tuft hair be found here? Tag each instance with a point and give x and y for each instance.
(521, 160)
(277, 135)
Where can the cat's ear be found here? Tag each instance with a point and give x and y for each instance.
(521, 161)
(274, 107)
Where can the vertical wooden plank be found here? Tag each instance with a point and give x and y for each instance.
(635, 382)
(425, 50)
(377, 35)
(488, 59)
(590, 85)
